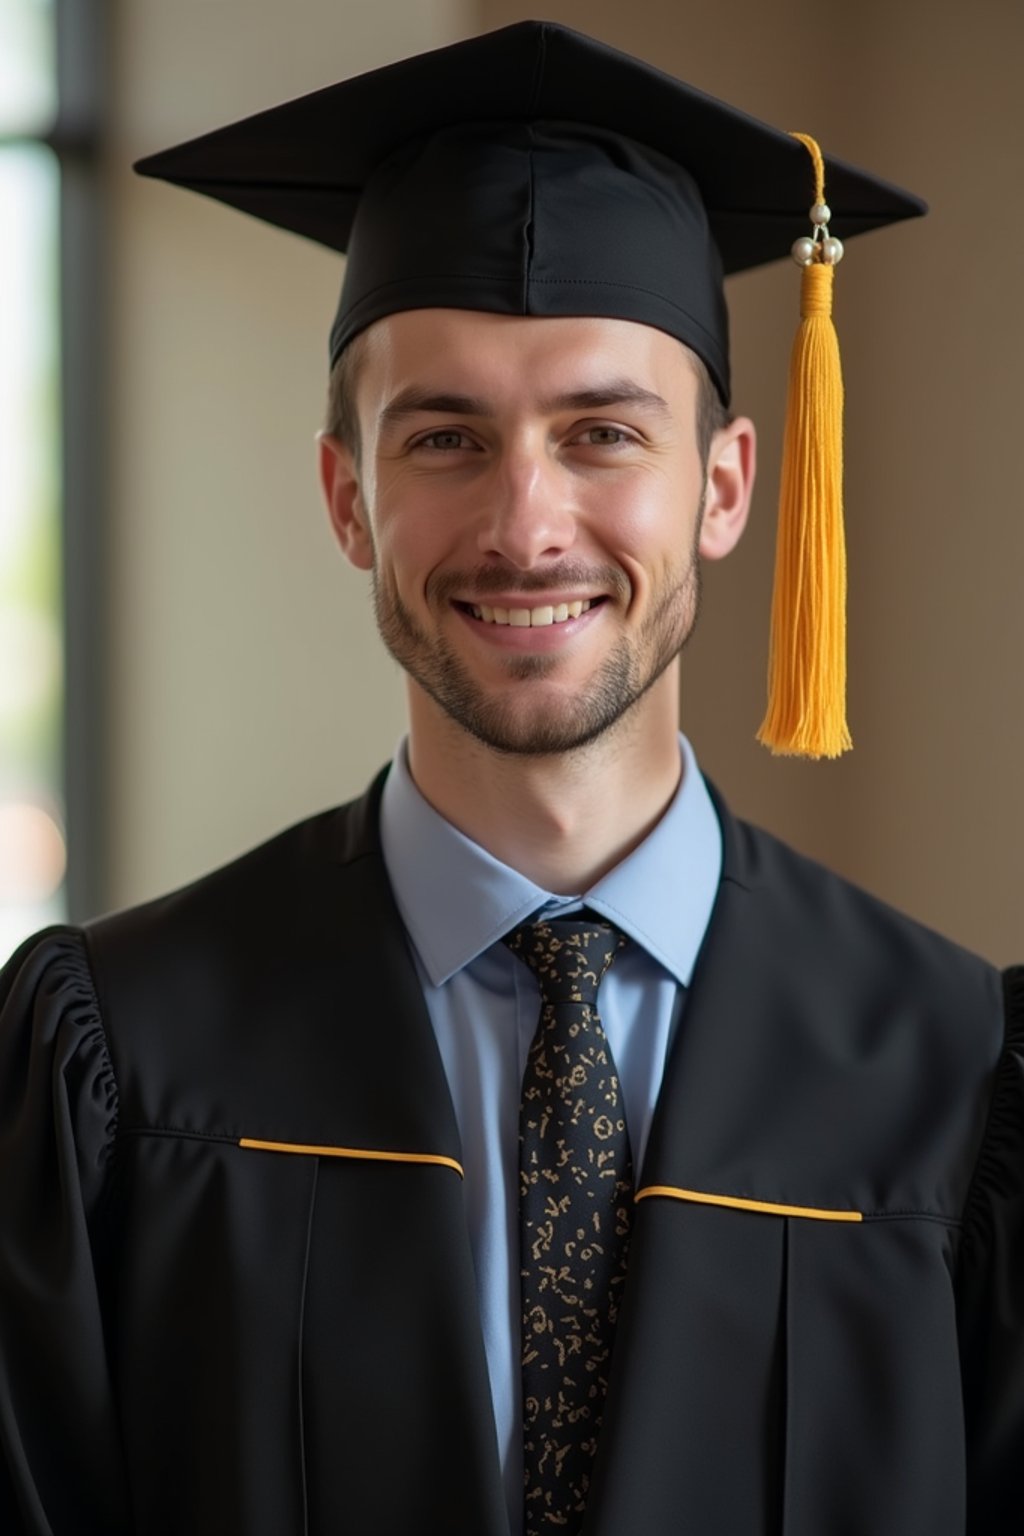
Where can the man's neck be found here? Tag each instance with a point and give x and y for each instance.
(565, 820)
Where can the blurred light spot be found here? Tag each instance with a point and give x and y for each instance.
(33, 855)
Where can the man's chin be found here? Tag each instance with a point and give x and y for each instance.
(536, 729)
(532, 744)
(527, 713)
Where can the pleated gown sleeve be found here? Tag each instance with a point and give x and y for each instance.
(61, 1468)
(991, 1297)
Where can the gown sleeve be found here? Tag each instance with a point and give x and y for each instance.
(991, 1297)
(61, 1468)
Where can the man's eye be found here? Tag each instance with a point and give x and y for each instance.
(444, 441)
(603, 437)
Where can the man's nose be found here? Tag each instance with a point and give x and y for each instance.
(529, 514)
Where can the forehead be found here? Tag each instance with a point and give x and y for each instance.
(506, 356)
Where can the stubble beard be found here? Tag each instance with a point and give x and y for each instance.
(526, 727)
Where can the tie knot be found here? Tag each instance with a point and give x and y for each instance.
(568, 955)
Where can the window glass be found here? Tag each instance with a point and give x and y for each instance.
(28, 85)
(32, 854)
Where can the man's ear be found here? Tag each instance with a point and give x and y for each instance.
(339, 478)
(732, 462)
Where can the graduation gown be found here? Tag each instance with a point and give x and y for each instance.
(823, 1330)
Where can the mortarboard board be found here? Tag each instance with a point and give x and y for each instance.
(535, 171)
(528, 171)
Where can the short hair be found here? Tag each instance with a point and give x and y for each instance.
(342, 419)
(712, 415)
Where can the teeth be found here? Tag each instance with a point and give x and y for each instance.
(530, 618)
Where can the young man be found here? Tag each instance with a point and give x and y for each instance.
(529, 1146)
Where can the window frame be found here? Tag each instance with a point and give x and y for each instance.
(76, 139)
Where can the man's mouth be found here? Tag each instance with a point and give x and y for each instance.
(531, 618)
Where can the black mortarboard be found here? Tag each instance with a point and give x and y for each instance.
(534, 171)
(529, 171)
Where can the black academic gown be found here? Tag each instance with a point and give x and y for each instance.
(204, 1337)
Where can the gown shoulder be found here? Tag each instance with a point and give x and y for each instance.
(51, 1030)
(990, 1292)
(60, 1456)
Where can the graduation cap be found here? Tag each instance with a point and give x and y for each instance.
(535, 171)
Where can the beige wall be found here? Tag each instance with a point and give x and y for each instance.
(248, 685)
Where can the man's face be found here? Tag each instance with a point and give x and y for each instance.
(529, 500)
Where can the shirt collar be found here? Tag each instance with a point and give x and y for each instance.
(456, 899)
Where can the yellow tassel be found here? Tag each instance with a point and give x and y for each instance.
(806, 714)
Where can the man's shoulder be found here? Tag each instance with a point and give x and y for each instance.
(238, 1000)
(808, 908)
(282, 901)
(273, 870)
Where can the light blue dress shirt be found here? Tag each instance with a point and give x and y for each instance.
(457, 902)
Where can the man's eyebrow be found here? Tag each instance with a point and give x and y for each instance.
(614, 392)
(417, 400)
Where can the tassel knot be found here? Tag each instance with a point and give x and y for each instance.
(816, 291)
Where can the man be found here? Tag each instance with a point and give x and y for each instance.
(307, 1223)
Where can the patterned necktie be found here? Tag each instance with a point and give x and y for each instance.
(575, 1195)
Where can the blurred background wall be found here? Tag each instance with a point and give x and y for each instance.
(247, 686)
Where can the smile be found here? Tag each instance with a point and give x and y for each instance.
(529, 618)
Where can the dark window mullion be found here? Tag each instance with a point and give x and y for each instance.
(77, 138)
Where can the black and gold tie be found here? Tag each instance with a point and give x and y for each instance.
(575, 1198)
